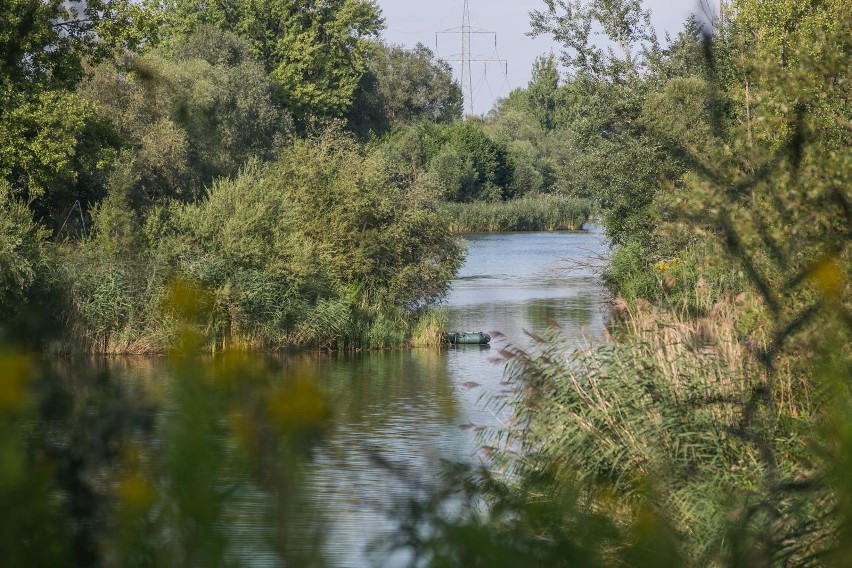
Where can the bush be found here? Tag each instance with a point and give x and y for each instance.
(319, 249)
(454, 175)
(21, 250)
(28, 291)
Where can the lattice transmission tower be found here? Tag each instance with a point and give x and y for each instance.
(466, 58)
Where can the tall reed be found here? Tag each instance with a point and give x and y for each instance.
(660, 412)
(540, 213)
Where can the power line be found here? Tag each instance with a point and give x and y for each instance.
(466, 57)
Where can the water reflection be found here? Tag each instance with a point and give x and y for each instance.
(178, 462)
(512, 283)
(573, 314)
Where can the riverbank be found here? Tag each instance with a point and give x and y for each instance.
(299, 441)
(539, 213)
(338, 257)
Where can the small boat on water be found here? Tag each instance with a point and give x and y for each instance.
(468, 338)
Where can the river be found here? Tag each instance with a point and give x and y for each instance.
(418, 407)
(396, 415)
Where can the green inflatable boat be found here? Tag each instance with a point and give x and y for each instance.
(468, 338)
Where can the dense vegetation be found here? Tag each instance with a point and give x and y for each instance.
(192, 179)
(294, 177)
(547, 212)
(712, 428)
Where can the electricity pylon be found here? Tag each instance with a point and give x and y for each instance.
(466, 57)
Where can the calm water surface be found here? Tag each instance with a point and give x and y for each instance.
(410, 409)
(421, 406)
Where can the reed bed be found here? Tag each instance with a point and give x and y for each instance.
(660, 411)
(539, 213)
(430, 328)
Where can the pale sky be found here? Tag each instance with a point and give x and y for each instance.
(409, 22)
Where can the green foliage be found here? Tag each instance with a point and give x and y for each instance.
(409, 86)
(118, 231)
(628, 275)
(45, 43)
(314, 53)
(539, 213)
(448, 153)
(44, 128)
(680, 111)
(699, 276)
(192, 118)
(489, 158)
(805, 43)
(717, 426)
(319, 249)
(613, 129)
(526, 177)
(21, 252)
(588, 137)
(40, 137)
(662, 415)
(726, 412)
(367, 230)
(454, 174)
(536, 155)
(542, 91)
(573, 23)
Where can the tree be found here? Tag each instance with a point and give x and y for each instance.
(490, 159)
(44, 42)
(788, 35)
(314, 51)
(403, 86)
(44, 126)
(415, 86)
(455, 175)
(543, 91)
(199, 114)
(622, 22)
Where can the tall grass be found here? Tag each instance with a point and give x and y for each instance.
(661, 414)
(540, 213)
(430, 329)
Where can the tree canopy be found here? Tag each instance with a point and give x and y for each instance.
(314, 51)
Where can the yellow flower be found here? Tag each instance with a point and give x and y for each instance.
(827, 276)
(135, 491)
(15, 373)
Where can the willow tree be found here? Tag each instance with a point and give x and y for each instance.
(314, 51)
(575, 23)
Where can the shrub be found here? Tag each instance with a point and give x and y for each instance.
(319, 250)
(21, 250)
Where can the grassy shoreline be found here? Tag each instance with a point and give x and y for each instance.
(541, 213)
